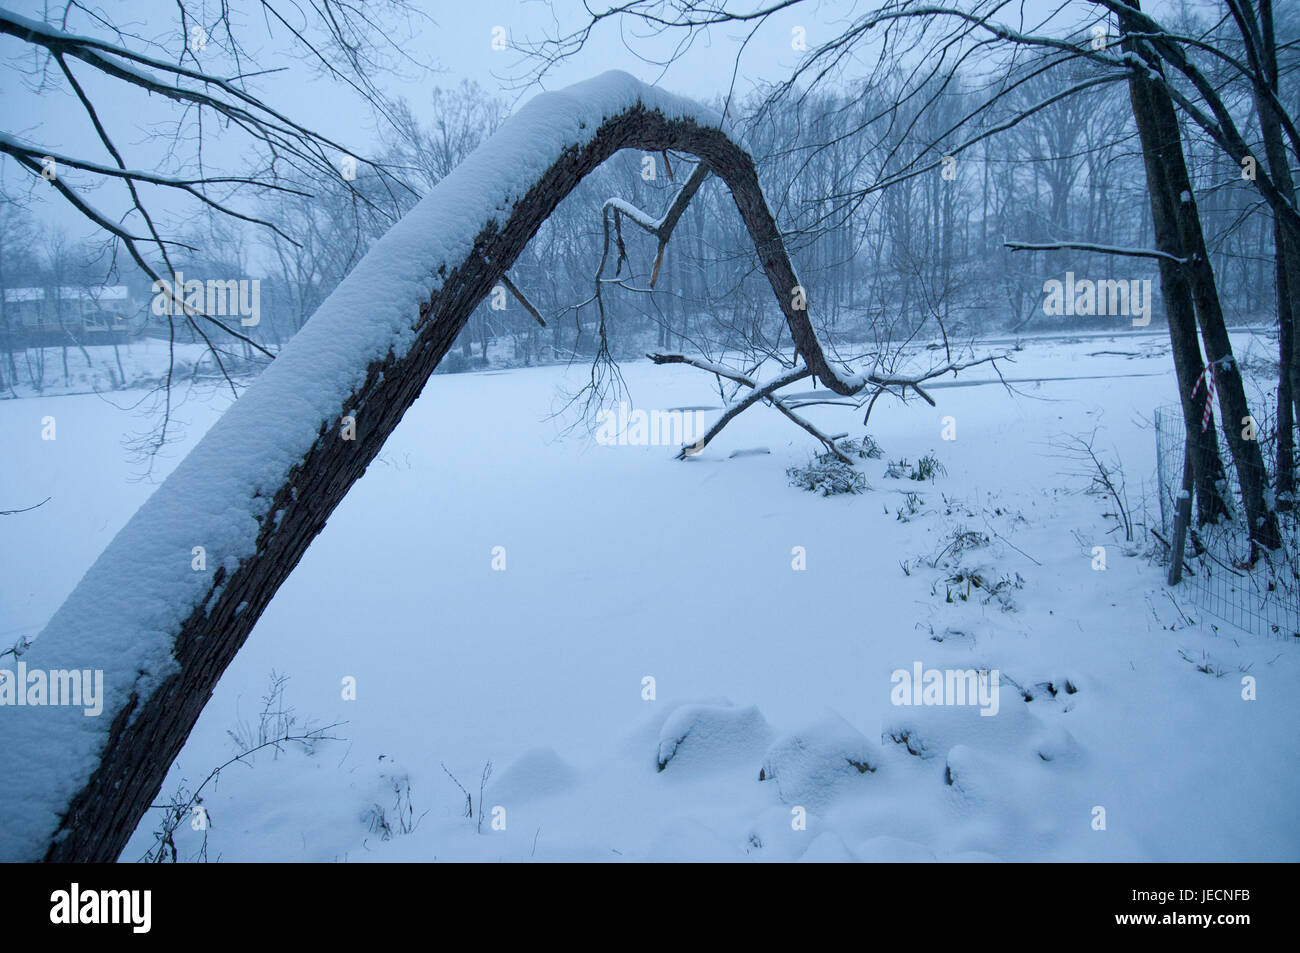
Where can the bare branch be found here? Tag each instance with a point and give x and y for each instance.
(1101, 249)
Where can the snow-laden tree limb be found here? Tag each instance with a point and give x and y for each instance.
(165, 608)
(1100, 249)
(765, 392)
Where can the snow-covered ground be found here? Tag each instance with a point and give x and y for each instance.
(622, 565)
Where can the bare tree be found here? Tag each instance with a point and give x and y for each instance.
(17, 238)
(181, 80)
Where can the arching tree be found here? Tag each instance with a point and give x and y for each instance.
(168, 604)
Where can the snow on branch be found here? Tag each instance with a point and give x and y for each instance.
(1100, 249)
(661, 227)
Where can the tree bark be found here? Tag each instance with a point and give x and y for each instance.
(1287, 244)
(1284, 463)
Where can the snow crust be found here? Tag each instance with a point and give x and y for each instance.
(540, 669)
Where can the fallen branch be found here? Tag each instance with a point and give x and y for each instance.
(882, 384)
(767, 392)
(758, 392)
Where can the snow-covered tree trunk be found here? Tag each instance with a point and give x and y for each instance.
(171, 600)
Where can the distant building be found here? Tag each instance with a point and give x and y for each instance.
(91, 315)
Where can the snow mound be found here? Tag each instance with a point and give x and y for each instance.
(828, 848)
(950, 633)
(702, 735)
(686, 840)
(537, 773)
(1009, 803)
(812, 764)
(932, 731)
(772, 836)
(969, 772)
(886, 849)
(1055, 743)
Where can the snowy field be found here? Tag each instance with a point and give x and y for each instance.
(622, 565)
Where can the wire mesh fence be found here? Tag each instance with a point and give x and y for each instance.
(1260, 595)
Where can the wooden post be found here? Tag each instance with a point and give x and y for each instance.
(1182, 516)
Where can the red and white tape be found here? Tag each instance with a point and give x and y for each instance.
(1207, 376)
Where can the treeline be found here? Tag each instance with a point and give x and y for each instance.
(893, 237)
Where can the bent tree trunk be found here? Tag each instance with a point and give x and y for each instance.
(260, 485)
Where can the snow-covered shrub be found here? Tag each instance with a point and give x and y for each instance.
(274, 725)
(966, 583)
(927, 468)
(827, 476)
(865, 449)
(897, 470)
(910, 507)
(957, 541)
(400, 817)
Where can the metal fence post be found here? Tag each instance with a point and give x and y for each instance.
(1182, 516)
